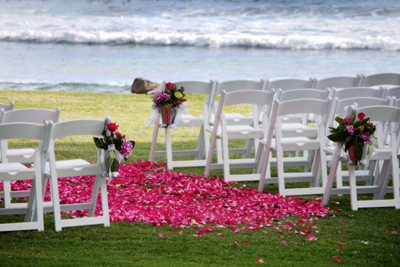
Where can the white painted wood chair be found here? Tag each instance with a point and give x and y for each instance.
(33, 210)
(77, 167)
(388, 154)
(381, 79)
(294, 141)
(21, 155)
(237, 118)
(187, 120)
(224, 131)
(351, 92)
(337, 82)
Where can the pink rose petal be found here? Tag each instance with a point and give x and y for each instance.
(393, 232)
(341, 222)
(160, 235)
(236, 243)
(246, 243)
(283, 242)
(340, 242)
(260, 260)
(339, 249)
(337, 259)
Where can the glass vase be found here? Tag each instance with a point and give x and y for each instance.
(356, 154)
(168, 115)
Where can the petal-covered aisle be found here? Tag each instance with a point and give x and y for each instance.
(151, 193)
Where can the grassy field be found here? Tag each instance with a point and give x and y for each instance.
(365, 235)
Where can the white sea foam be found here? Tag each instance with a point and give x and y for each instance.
(300, 26)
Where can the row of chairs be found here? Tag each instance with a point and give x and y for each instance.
(279, 137)
(37, 124)
(213, 89)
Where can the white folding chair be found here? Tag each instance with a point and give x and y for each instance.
(77, 167)
(21, 155)
(294, 141)
(302, 158)
(390, 168)
(393, 92)
(17, 171)
(187, 120)
(289, 84)
(224, 131)
(381, 79)
(337, 82)
(238, 118)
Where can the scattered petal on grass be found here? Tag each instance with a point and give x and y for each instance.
(232, 256)
(309, 243)
(341, 222)
(339, 249)
(166, 237)
(354, 252)
(340, 243)
(219, 234)
(265, 232)
(150, 193)
(236, 243)
(160, 235)
(337, 259)
(297, 243)
(260, 260)
(246, 243)
(339, 232)
(283, 242)
(333, 215)
(310, 238)
(393, 232)
(317, 231)
(365, 242)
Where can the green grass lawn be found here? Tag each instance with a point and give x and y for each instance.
(365, 235)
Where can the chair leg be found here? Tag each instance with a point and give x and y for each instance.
(329, 183)
(104, 201)
(265, 170)
(95, 193)
(210, 155)
(200, 146)
(168, 148)
(225, 155)
(154, 141)
(353, 188)
(281, 173)
(7, 194)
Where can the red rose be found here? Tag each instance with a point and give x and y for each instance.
(112, 126)
(184, 99)
(361, 115)
(178, 102)
(118, 134)
(169, 86)
(371, 124)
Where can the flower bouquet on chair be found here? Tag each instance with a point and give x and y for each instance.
(168, 102)
(115, 147)
(355, 134)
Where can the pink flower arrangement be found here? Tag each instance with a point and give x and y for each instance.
(171, 97)
(112, 137)
(352, 129)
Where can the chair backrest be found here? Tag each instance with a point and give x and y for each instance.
(255, 97)
(393, 92)
(7, 107)
(338, 82)
(202, 88)
(339, 107)
(79, 127)
(318, 107)
(30, 115)
(381, 79)
(352, 92)
(382, 115)
(289, 84)
(301, 93)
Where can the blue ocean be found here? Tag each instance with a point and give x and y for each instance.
(102, 46)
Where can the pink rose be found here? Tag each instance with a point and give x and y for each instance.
(112, 126)
(184, 100)
(169, 86)
(346, 120)
(118, 133)
(361, 115)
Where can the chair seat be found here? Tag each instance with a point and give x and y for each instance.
(235, 118)
(238, 132)
(188, 120)
(12, 167)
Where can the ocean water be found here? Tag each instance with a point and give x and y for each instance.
(102, 46)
